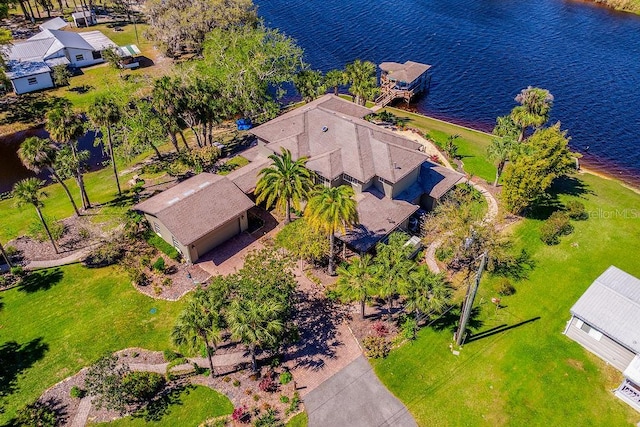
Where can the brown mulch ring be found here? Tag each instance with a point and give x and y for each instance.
(79, 233)
(183, 278)
(239, 384)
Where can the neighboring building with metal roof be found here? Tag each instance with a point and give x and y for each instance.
(52, 47)
(198, 214)
(54, 24)
(392, 178)
(84, 18)
(606, 321)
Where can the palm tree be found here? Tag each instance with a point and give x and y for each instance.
(65, 127)
(105, 113)
(534, 109)
(331, 210)
(500, 150)
(334, 79)
(309, 84)
(426, 293)
(199, 324)
(37, 154)
(166, 98)
(362, 77)
(28, 191)
(354, 281)
(255, 324)
(392, 268)
(286, 182)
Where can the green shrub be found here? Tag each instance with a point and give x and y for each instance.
(159, 243)
(138, 277)
(293, 404)
(167, 282)
(236, 383)
(17, 270)
(145, 261)
(408, 328)
(284, 399)
(76, 392)
(576, 211)
(11, 250)
(158, 264)
(35, 414)
(107, 254)
(555, 226)
(376, 347)
(285, 378)
(142, 386)
(84, 233)
(37, 231)
(170, 355)
(504, 287)
(268, 419)
(61, 75)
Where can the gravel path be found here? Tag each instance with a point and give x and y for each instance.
(69, 259)
(80, 420)
(490, 216)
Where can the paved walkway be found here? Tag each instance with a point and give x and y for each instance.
(355, 397)
(69, 259)
(490, 216)
(80, 420)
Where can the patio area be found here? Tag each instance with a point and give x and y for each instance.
(229, 256)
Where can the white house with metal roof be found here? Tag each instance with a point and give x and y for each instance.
(606, 321)
(29, 62)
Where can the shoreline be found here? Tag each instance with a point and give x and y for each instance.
(588, 163)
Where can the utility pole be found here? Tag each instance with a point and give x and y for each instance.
(468, 301)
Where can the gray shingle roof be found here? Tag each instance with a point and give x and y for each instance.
(378, 216)
(612, 305)
(197, 206)
(407, 72)
(338, 142)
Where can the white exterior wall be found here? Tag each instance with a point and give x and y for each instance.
(87, 57)
(21, 85)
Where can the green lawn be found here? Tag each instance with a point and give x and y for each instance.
(234, 163)
(530, 374)
(300, 420)
(187, 408)
(472, 144)
(65, 320)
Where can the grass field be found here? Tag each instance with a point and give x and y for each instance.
(530, 374)
(300, 420)
(187, 408)
(64, 320)
(472, 144)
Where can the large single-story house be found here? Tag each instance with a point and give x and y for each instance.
(29, 62)
(198, 214)
(606, 321)
(391, 176)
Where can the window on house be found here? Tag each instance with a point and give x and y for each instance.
(176, 244)
(32, 80)
(80, 57)
(350, 179)
(156, 228)
(321, 180)
(97, 54)
(381, 179)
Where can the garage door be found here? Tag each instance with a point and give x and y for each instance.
(217, 237)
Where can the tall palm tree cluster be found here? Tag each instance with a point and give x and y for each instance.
(287, 182)
(359, 75)
(392, 275)
(252, 306)
(510, 131)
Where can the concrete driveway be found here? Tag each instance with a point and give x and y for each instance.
(355, 397)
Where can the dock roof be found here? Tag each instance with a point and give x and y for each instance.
(407, 72)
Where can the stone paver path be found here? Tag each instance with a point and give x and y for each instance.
(80, 420)
(355, 397)
(69, 259)
(490, 216)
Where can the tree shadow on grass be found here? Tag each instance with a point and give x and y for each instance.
(568, 186)
(40, 280)
(497, 330)
(161, 405)
(450, 319)
(15, 359)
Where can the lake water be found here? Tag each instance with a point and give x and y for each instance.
(484, 52)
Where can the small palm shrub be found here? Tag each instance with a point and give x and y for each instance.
(285, 378)
(555, 226)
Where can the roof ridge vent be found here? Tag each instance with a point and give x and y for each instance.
(173, 201)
